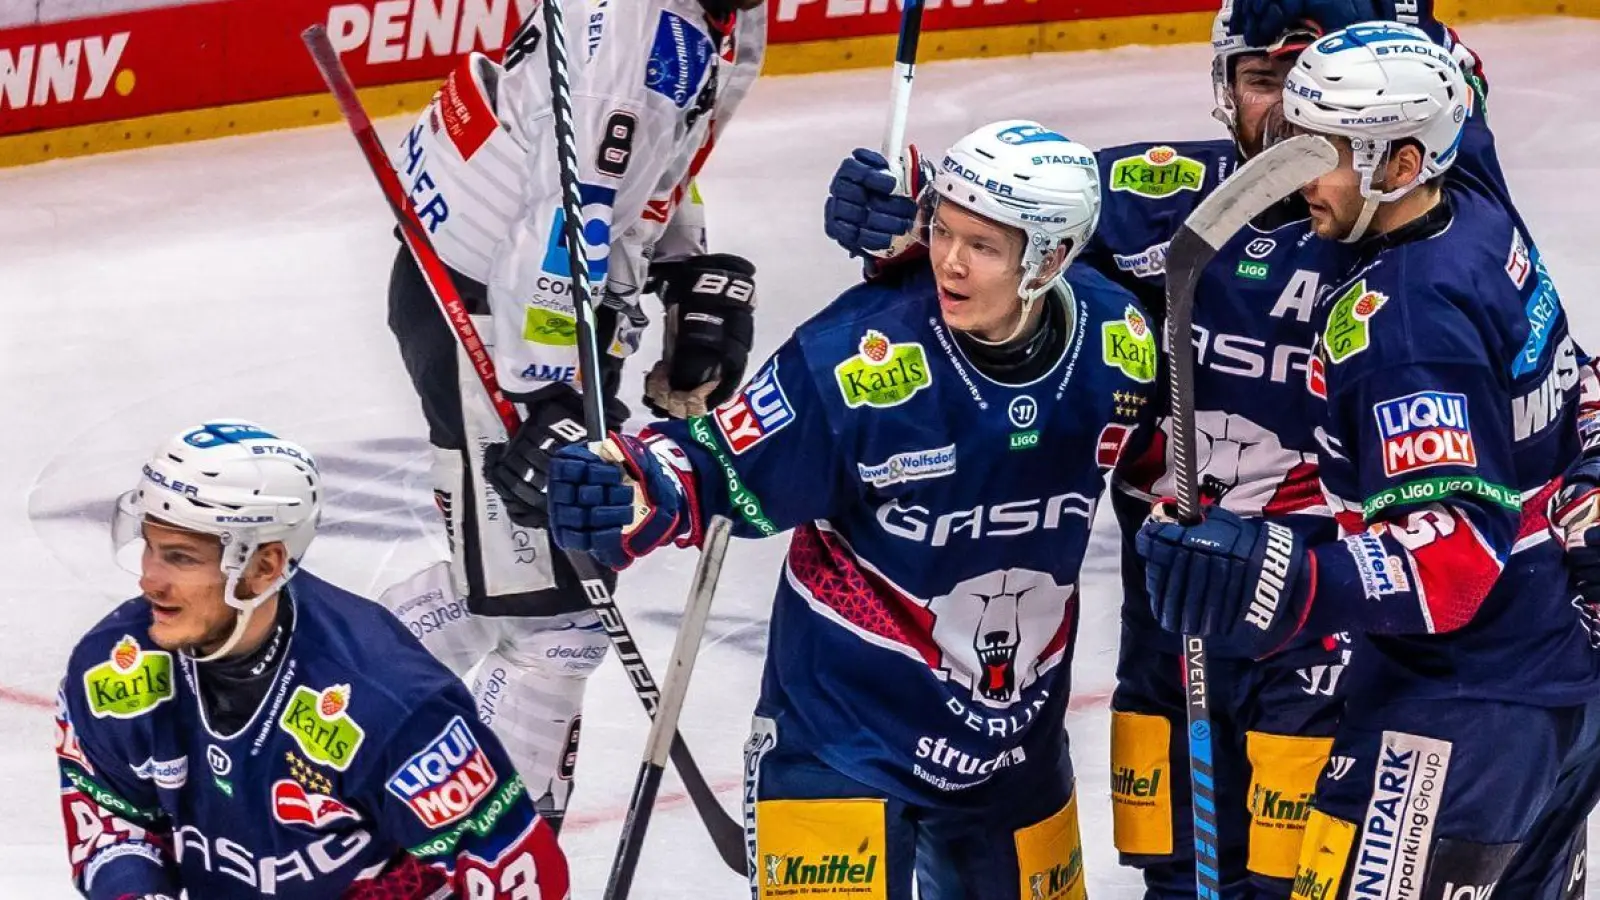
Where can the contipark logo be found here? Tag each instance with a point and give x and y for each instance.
(35, 75)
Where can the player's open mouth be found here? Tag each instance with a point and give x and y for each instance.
(948, 296)
(164, 611)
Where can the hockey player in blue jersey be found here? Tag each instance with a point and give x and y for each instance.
(1273, 720)
(938, 440)
(1451, 392)
(245, 729)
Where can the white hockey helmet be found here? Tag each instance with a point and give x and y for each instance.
(235, 480)
(1022, 174)
(1374, 84)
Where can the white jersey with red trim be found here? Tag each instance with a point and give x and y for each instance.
(652, 82)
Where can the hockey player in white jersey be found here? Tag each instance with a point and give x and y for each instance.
(652, 82)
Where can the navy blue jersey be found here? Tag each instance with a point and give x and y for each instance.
(1452, 397)
(924, 623)
(1254, 304)
(365, 757)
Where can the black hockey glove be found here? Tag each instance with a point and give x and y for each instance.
(710, 305)
(519, 469)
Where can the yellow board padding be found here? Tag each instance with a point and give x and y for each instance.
(817, 848)
(1284, 771)
(1050, 857)
(1323, 857)
(1141, 784)
(200, 124)
(782, 59)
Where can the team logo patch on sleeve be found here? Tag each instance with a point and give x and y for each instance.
(445, 779)
(755, 413)
(1425, 429)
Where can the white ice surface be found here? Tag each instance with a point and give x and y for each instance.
(144, 291)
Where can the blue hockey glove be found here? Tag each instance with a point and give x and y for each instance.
(1245, 581)
(1264, 22)
(616, 504)
(867, 208)
(1575, 518)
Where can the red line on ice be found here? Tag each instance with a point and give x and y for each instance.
(25, 698)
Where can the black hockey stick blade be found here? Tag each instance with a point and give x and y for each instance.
(1262, 182)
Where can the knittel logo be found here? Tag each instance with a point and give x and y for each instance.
(1425, 429)
(129, 684)
(812, 875)
(444, 780)
(320, 723)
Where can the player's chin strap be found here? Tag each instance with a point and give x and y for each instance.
(236, 554)
(1369, 155)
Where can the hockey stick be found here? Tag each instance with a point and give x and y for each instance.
(673, 692)
(727, 834)
(1260, 183)
(905, 71)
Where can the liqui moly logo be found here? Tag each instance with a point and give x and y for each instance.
(1425, 429)
(443, 781)
(755, 413)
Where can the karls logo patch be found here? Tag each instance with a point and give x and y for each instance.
(444, 780)
(1425, 429)
(756, 413)
(129, 684)
(1158, 172)
(320, 723)
(882, 374)
(1347, 333)
(678, 60)
(1130, 346)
